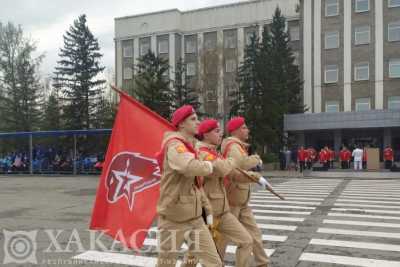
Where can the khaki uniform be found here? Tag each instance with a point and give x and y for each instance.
(226, 224)
(181, 204)
(239, 195)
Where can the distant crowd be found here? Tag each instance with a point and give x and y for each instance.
(308, 158)
(50, 160)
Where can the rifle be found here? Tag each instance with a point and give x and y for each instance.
(254, 179)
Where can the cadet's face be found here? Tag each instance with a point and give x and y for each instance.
(214, 137)
(190, 124)
(242, 133)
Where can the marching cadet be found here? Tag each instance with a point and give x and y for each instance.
(225, 224)
(388, 156)
(182, 198)
(235, 147)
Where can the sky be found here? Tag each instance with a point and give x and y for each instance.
(45, 21)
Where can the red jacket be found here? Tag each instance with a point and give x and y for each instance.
(331, 154)
(388, 154)
(365, 156)
(302, 155)
(312, 154)
(323, 156)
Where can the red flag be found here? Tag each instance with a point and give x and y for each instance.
(129, 187)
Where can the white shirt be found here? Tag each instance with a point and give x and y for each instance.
(358, 154)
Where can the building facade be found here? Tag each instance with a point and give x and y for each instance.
(351, 73)
(211, 42)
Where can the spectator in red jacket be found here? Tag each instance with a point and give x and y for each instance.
(365, 158)
(312, 157)
(324, 158)
(331, 155)
(388, 156)
(302, 156)
(344, 157)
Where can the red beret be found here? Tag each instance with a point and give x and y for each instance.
(206, 126)
(181, 114)
(234, 124)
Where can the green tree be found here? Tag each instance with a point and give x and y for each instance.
(183, 93)
(20, 99)
(77, 76)
(152, 85)
(52, 114)
(105, 114)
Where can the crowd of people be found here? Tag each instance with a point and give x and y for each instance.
(308, 158)
(50, 160)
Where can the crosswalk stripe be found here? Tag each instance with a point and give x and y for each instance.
(276, 218)
(286, 201)
(365, 205)
(281, 206)
(368, 201)
(363, 216)
(232, 249)
(276, 227)
(367, 210)
(353, 244)
(385, 192)
(358, 233)
(345, 260)
(117, 258)
(274, 238)
(282, 212)
(300, 193)
(256, 196)
(391, 225)
(304, 191)
(369, 197)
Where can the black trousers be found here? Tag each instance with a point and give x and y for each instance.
(302, 165)
(388, 164)
(309, 164)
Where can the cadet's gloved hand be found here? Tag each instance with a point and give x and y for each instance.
(210, 220)
(264, 183)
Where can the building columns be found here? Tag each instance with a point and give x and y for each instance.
(378, 54)
(347, 41)
(307, 52)
(220, 86)
(136, 54)
(172, 57)
(317, 56)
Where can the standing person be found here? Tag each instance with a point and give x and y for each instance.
(323, 158)
(225, 222)
(358, 157)
(235, 147)
(312, 156)
(282, 160)
(302, 157)
(182, 198)
(331, 154)
(344, 157)
(388, 157)
(288, 158)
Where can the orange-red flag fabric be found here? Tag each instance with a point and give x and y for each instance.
(129, 187)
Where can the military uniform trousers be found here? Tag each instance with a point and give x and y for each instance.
(246, 218)
(232, 230)
(195, 233)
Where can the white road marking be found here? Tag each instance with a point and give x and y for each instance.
(364, 216)
(363, 223)
(275, 218)
(358, 233)
(352, 244)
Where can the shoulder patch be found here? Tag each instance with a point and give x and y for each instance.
(209, 157)
(181, 149)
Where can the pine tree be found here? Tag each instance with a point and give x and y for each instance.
(77, 75)
(152, 85)
(20, 99)
(52, 115)
(183, 94)
(105, 114)
(287, 83)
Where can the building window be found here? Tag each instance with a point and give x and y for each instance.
(127, 50)
(361, 71)
(331, 40)
(210, 44)
(249, 36)
(163, 46)
(363, 104)
(362, 35)
(331, 8)
(230, 41)
(294, 33)
(394, 102)
(128, 73)
(190, 46)
(230, 65)
(394, 68)
(393, 3)
(144, 48)
(211, 95)
(331, 73)
(190, 69)
(332, 106)
(394, 31)
(362, 5)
